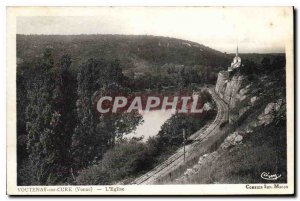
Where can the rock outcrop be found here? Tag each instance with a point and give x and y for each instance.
(229, 89)
(223, 78)
(268, 115)
(233, 139)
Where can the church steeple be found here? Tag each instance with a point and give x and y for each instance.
(236, 63)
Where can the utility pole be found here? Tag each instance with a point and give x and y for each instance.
(230, 94)
(229, 129)
(184, 139)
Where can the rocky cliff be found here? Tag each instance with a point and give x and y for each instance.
(257, 117)
(229, 89)
(233, 90)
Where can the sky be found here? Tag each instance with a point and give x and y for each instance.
(255, 29)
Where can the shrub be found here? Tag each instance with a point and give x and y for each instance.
(126, 159)
(93, 175)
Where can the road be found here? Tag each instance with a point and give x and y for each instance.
(204, 139)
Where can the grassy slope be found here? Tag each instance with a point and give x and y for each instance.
(263, 151)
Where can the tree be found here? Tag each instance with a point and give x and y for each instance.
(266, 64)
(22, 155)
(95, 133)
(83, 142)
(49, 125)
(64, 103)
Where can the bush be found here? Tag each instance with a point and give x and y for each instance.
(128, 158)
(94, 175)
(224, 123)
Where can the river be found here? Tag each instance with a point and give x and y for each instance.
(153, 120)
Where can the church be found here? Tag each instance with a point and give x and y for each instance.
(237, 61)
(224, 76)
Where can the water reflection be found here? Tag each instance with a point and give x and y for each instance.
(153, 120)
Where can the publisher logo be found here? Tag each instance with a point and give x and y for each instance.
(270, 177)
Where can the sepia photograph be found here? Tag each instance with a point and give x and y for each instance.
(150, 100)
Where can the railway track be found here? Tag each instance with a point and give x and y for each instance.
(177, 158)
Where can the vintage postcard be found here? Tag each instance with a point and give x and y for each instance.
(150, 101)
